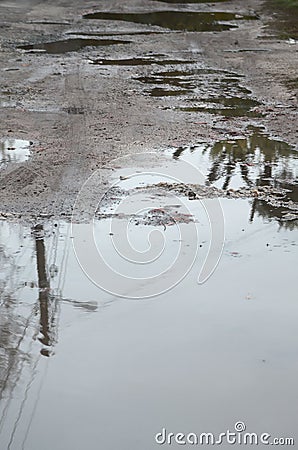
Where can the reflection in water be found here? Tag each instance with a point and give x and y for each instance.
(176, 20)
(162, 92)
(119, 33)
(14, 151)
(227, 106)
(199, 86)
(68, 396)
(146, 61)
(256, 161)
(158, 352)
(33, 275)
(192, 77)
(48, 306)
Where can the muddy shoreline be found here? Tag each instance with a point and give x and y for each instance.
(80, 116)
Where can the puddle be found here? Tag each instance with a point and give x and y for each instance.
(256, 162)
(69, 45)
(14, 151)
(178, 78)
(47, 22)
(120, 33)
(228, 107)
(74, 110)
(68, 348)
(160, 92)
(177, 20)
(198, 83)
(147, 61)
(194, 76)
(244, 50)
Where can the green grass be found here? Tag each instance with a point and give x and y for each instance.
(286, 3)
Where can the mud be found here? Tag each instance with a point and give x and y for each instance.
(258, 167)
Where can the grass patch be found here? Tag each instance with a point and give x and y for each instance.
(286, 3)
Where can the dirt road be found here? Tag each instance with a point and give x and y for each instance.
(109, 336)
(81, 109)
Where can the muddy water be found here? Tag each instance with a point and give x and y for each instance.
(199, 88)
(69, 45)
(161, 92)
(198, 77)
(120, 33)
(177, 20)
(145, 61)
(89, 370)
(228, 107)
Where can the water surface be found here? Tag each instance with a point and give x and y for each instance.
(79, 359)
(140, 61)
(176, 20)
(70, 45)
(14, 151)
(257, 161)
(199, 87)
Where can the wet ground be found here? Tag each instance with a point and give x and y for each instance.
(130, 174)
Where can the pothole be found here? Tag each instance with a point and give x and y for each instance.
(177, 20)
(226, 106)
(200, 87)
(161, 92)
(69, 45)
(119, 33)
(139, 61)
